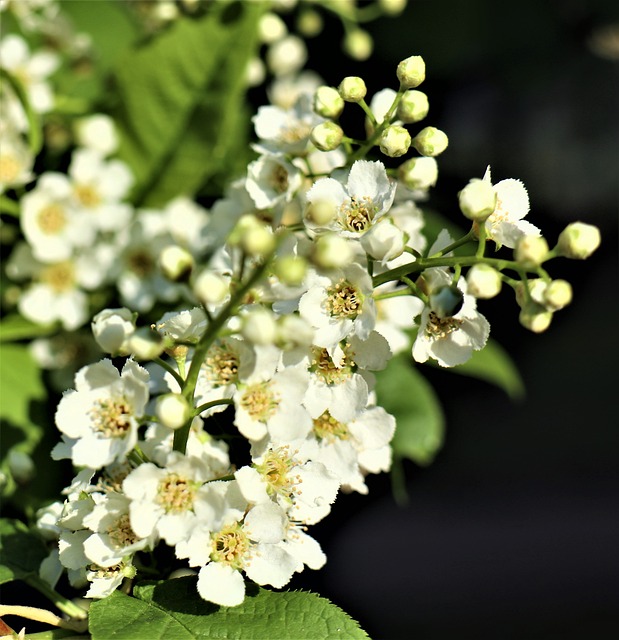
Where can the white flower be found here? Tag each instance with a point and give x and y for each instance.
(186, 326)
(271, 181)
(112, 328)
(97, 132)
(450, 339)
(16, 159)
(395, 316)
(505, 224)
(99, 419)
(366, 197)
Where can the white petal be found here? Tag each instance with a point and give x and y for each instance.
(221, 584)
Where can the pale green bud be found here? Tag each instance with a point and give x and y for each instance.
(477, 200)
(483, 281)
(320, 212)
(352, 89)
(358, 44)
(258, 326)
(173, 410)
(176, 263)
(395, 141)
(309, 23)
(413, 107)
(291, 270)
(210, 287)
(328, 103)
(258, 241)
(145, 344)
(535, 317)
(244, 224)
(558, 294)
(418, 173)
(392, 7)
(112, 329)
(430, 141)
(327, 136)
(411, 72)
(331, 251)
(531, 250)
(271, 28)
(578, 240)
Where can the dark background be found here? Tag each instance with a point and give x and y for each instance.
(513, 531)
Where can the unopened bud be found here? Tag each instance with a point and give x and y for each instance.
(395, 141)
(358, 44)
(258, 326)
(173, 410)
(309, 23)
(446, 301)
(331, 251)
(176, 263)
(286, 55)
(291, 270)
(320, 212)
(383, 241)
(430, 141)
(418, 173)
(535, 317)
(392, 7)
(328, 103)
(244, 224)
(258, 241)
(578, 240)
(558, 294)
(145, 344)
(477, 200)
(413, 107)
(210, 287)
(112, 329)
(352, 89)
(327, 136)
(271, 28)
(531, 250)
(483, 281)
(411, 72)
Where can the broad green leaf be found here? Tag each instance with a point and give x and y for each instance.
(494, 365)
(405, 393)
(173, 610)
(22, 394)
(15, 327)
(181, 100)
(21, 552)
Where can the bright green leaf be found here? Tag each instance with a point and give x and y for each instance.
(173, 610)
(21, 552)
(15, 327)
(406, 394)
(494, 365)
(181, 100)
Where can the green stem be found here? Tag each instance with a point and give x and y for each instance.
(481, 248)
(62, 603)
(162, 363)
(415, 289)
(9, 206)
(469, 237)
(368, 112)
(213, 403)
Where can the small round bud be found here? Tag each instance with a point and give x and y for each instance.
(309, 23)
(413, 107)
(392, 7)
(446, 301)
(286, 56)
(558, 294)
(383, 241)
(327, 136)
(291, 270)
(112, 328)
(483, 281)
(411, 72)
(258, 241)
(352, 89)
(477, 200)
(328, 102)
(320, 212)
(176, 263)
(331, 251)
(210, 287)
(244, 224)
(535, 317)
(430, 141)
(578, 240)
(145, 344)
(173, 410)
(535, 287)
(395, 141)
(293, 332)
(271, 28)
(358, 44)
(258, 326)
(418, 173)
(531, 250)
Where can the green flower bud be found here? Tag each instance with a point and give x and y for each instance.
(395, 141)
(413, 107)
(483, 281)
(176, 263)
(258, 241)
(210, 287)
(309, 23)
(477, 200)
(418, 173)
(145, 344)
(392, 7)
(430, 141)
(291, 270)
(558, 294)
(327, 136)
(411, 72)
(535, 317)
(258, 326)
(531, 250)
(578, 240)
(328, 103)
(173, 410)
(352, 89)
(358, 44)
(331, 251)
(320, 212)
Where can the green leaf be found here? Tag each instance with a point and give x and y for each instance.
(173, 610)
(181, 102)
(21, 552)
(15, 327)
(20, 409)
(494, 365)
(405, 393)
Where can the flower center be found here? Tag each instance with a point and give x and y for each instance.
(278, 180)
(221, 366)
(326, 427)
(59, 277)
(358, 213)
(260, 401)
(323, 366)
(441, 327)
(10, 168)
(111, 418)
(295, 132)
(87, 195)
(344, 300)
(176, 494)
(140, 262)
(275, 469)
(121, 534)
(52, 219)
(230, 546)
